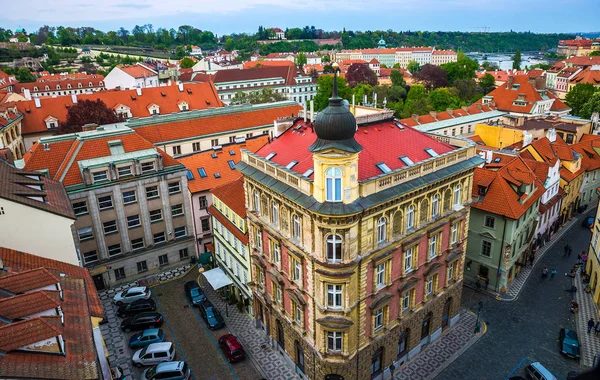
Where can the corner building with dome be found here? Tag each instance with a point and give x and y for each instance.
(358, 228)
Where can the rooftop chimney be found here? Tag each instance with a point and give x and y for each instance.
(551, 134)
(138, 91)
(89, 127)
(416, 118)
(433, 114)
(509, 82)
(37, 101)
(27, 94)
(540, 83)
(74, 98)
(449, 110)
(532, 82)
(180, 85)
(527, 138)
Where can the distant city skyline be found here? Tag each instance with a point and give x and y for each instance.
(238, 16)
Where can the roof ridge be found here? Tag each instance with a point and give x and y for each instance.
(63, 165)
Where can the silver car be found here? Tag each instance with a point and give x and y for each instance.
(132, 294)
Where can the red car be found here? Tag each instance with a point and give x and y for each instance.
(232, 349)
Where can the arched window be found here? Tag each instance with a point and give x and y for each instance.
(435, 205)
(35, 89)
(256, 202)
(381, 230)
(58, 86)
(333, 185)
(47, 88)
(410, 217)
(334, 248)
(423, 211)
(91, 84)
(447, 200)
(69, 85)
(79, 85)
(457, 198)
(397, 223)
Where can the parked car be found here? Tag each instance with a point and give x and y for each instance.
(211, 316)
(193, 293)
(153, 354)
(136, 307)
(132, 294)
(596, 361)
(232, 349)
(146, 337)
(588, 222)
(168, 371)
(569, 344)
(536, 371)
(142, 321)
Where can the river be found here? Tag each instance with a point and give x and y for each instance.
(505, 62)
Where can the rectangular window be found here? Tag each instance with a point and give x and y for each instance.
(133, 221)
(489, 222)
(205, 224)
(90, 257)
(378, 320)
(275, 214)
(137, 244)
(85, 233)
(124, 171)
(176, 149)
(120, 273)
(334, 341)
(147, 166)
(159, 238)
(296, 228)
(177, 210)
(163, 260)
(105, 203)
(454, 232)
(429, 287)
(380, 276)
(202, 203)
(180, 232)
(196, 147)
(142, 266)
(214, 142)
(334, 296)
(486, 248)
(450, 271)
(155, 215)
(110, 227)
(402, 344)
(408, 300)
(258, 240)
(433, 246)
(100, 176)
(297, 271)
(114, 250)
(276, 250)
(129, 197)
(408, 260)
(174, 187)
(80, 208)
(152, 192)
(183, 254)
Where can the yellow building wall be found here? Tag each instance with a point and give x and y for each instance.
(593, 265)
(498, 136)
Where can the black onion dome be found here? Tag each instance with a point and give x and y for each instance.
(335, 126)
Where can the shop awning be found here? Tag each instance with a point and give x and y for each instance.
(216, 278)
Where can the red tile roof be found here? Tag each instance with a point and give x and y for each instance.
(18, 261)
(137, 71)
(439, 116)
(288, 73)
(582, 61)
(587, 75)
(59, 84)
(381, 142)
(590, 160)
(198, 96)
(500, 198)
(28, 280)
(227, 122)
(7, 80)
(232, 195)
(220, 164)
(24, 305)
(253, 64)
(24, 333)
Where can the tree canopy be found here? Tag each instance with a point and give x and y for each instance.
(431, 77)
(463, 68)
(591, 106)
(187, 63)
(324, 89)
(578, 96)
(397, 78)
(265, 95)
(86, 112)
(360, 73)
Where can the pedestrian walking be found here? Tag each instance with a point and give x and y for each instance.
(597, 328)
(570, 250)
(591, 325)
(531, 259)
(566, 249)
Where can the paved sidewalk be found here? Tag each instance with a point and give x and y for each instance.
(266, 359)
(430, 362)
(590, 343)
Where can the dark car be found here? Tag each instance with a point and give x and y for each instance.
(232, 349)
(569, 343)
(193, 293)
(136, 307)
(588, 222)
(211, 316)
(142, 321)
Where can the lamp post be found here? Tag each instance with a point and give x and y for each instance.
(477, 327)
(392, 369)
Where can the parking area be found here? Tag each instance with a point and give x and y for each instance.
(183, 326)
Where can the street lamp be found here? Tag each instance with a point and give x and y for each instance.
(392, 369)
(477, 327)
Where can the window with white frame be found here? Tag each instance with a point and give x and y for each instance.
(380, 275)
(410, 217)
(429, 286)
(85, 233)
(257, 239)
(105, 203)
(147, 167)
(334, 341)
(114, 250)
(156, 215)
(433, 246)
(408, 300)
(435, 206)
(296, 227)
(489, 222)
(137, 244)
(100, 176)
(408, 260)
(451, 271)
(133, 221)
(457, 194)
(124, 171)
(174, 187)
(256, 202)
(297, 312)
(110, 227)
(454, 233)
(80, 208)
(275, 213)
(381, 230)
(275, 249)
(202, 202)
(334, 248)
(90, 257)
(159, 238)
(180, 232)
(334, 296)
(333, 185)
(486, 248)
(129, 197)
(297, 267)
(378, 319)
(152, 192)
(177, 210)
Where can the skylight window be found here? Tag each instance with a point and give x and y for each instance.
(291, 164)
(214, 155)
(231, 164)
(202, 172)
(217, 175)
(431, 152)
(383, 167)
(497, 160)
(399, 125)
(271, 155)
(190, 175)
(406, 160)
(232, 152)
(309, 172)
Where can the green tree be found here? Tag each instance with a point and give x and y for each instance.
(25, 76)
(324, 90)
(397, 78)
(186, 63)
(442, 99)
(467, 90)
(416, 101)
(489, 66)
(595, 53)
(413, 67)
(300, 60)
(591, 106)
(517, 60)
(487, 83)
(180, 52)
(463, 68)
(22, 38)
(578, 96)
(360, 91)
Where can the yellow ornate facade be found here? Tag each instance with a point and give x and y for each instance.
(10, 131)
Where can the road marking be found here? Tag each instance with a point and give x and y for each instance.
(173, 335)
(517, 367)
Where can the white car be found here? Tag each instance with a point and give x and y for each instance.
(132, 294)
(153, 354)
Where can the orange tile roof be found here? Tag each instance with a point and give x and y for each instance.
(62, 157)
(587, 75)
(28, 280)
(20, 261)
(24, 333)
(583, 61)
(56, 84)
(198, 96)
(202, 126)
(230, 226)
(500, 197)
(253, 64)
(590, 160)
(457, 113)
(232, 194)
(220, 164)
(24, 305)
(137, 71)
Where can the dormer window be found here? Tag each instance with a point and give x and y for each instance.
(90, 84)
(79, 85)
(147, 166)
(154, 109)
(481, 190)
(35, 89)
(100, 176)
(58, 86)
(47, 88)
(69, 85)
(333, 185)
(183, 106)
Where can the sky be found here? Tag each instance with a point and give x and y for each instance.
(237, 16)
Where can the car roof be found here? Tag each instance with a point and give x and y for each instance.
(136, 289)
(232, 342)
(147, 314)
(150, 332)
(541, 369)
(163, 346)
(169, 366)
